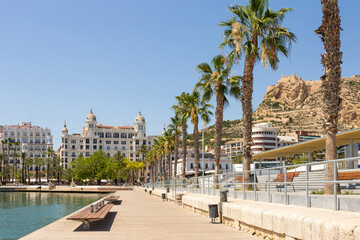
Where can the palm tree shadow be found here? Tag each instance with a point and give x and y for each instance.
(101, 225)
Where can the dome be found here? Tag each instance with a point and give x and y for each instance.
(139, 118)
(90, 116)
(64, 129)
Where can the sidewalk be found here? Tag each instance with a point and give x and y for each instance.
(142, 217)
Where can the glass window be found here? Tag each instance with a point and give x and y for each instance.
(108, 135)
(94, 141)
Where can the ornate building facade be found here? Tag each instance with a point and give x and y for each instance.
(109, 139)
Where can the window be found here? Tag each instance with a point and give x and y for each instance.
(191, 165)
(108, 135)
(116, 142)
(130, 135)
(73, 141)
(87, 140)
(94, 141)
(131, 155)
(206, 166)
(123, 142)
(87, 146)
(123, 135)
(107, 147)
(213, 166)
(87, 154)
(137, 142)
(91, 125)
(73, 154)
(144, 142)
(81, 147)
(73, 147)
(101, 134)
(66, 154)
(108, 142)
(227, 166)
(116, 147)
(141, 127)
(123, 148)
(116, 135)
(94, 147)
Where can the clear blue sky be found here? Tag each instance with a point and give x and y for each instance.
(60, 58)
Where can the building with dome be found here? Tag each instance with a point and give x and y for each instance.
(109, 139)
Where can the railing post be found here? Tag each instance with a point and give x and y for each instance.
(335, 188)
(243, 181)
(214, 184)
(255, 186)
(269, 193)
(285, 186)
(234, 185)
(307, 187)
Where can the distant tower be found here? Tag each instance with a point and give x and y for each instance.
(90, 124)
(140, 125)
(64, 132)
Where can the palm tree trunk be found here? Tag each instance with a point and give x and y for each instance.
(196, 146)
(246, 100)
(329, 32)
(176, 152)
(183, 149)
(168, 163)
(219, 111)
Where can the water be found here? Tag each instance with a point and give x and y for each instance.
(23, 213)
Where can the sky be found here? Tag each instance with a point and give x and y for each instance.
(59, 59)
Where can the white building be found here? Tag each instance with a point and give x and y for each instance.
(209, 165)
(233, 148)
(109, 139)
(33, 140)
(264, 137)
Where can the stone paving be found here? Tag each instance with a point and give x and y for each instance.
(140, 216)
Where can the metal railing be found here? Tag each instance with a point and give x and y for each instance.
(263, 182)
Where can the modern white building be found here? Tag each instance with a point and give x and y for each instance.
(264, 137)
(33, 140)
(109, 139)
(233, 148)
(208, 166)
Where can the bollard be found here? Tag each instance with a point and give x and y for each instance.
(92, 208)
(213, 212)
(163, 195)
(223, 198)
(150, 192)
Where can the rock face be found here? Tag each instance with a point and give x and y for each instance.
(294, 104)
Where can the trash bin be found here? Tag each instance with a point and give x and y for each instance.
(223, 195)
(150, 192)
(213, 212)
(163, 196)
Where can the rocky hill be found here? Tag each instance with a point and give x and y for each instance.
(295, 104)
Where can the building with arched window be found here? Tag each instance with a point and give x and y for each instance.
(109, 139)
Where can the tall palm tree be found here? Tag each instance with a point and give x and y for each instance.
(23, 157)
(3, 142)
(181, 110)
(329, 32)
(256, 31)
(216, 80)
(29, 162)
(198, 110)
(38, 163)
(175, 129)
(169, 148)
(143, 150)
(15, 160)
(9, 143)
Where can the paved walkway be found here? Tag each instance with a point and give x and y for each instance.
(142, 217)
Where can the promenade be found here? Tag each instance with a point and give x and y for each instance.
(140, 216)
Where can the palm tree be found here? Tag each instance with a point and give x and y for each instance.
(9, 142)
(29, 162)
(329, 32)
(59, 170)
(3, 142)
(143, 151)
(169, 148)
(198, 109)
(175, 129)
(256, 31)
(48, 161)
(216, 80)
(16, 145)
(181, 111)
(23, 157)
(38, 163)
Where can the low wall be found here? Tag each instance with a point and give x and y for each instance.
(276, 221)
(77, 189)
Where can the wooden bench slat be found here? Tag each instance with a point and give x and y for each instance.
(87, 214)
